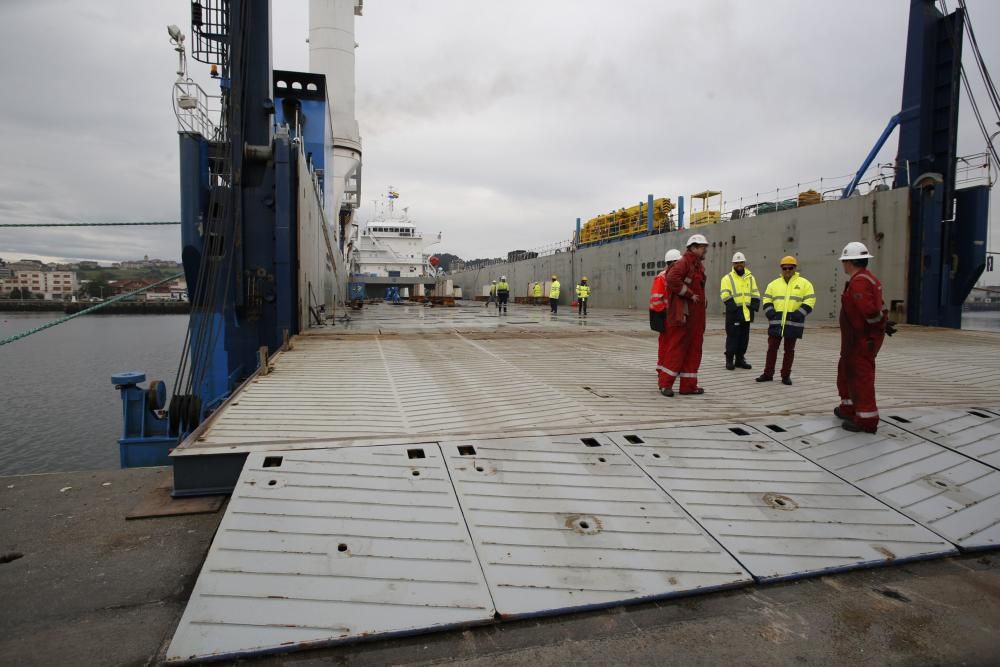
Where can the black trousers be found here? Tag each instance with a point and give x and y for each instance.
(737, 336)
(581, 306)
(502, 301)
(554, 305)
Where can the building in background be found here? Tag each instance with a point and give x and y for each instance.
(50, 284)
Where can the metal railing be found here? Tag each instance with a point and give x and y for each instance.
(196, 110)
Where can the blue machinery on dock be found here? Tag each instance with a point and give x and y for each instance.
(238, 215)
(238, 226)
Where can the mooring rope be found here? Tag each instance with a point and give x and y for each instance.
(120, 297)
(86, 224)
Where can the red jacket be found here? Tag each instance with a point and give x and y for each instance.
(685, 280)
(658, 296)
(862, 312)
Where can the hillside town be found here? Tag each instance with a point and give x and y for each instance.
(31, 279)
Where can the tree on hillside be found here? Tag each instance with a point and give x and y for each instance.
(446, 260)
(98, 287)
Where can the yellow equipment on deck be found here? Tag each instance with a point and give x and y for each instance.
(706, 216)
(627, 222)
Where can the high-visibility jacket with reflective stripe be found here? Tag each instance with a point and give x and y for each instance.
(503, 288)
(786, 305)
(658, 292)
(554, 290)
(582, 291)
(538, 289)
(862, 311)
(741, 289)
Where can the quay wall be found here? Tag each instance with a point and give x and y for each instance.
(620, 272)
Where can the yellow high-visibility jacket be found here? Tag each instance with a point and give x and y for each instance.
(554, 290)
(787, 304)
(582, 291)
(503, 287)
(742, 290)
(537, 290)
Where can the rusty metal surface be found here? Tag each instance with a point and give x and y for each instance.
(779, 514)
(955, 496)
(329, 545)
(568, 522)
(974, 432)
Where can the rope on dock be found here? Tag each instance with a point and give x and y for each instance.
(120, 297)
(87, 224)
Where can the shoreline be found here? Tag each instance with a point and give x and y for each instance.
(121, 308)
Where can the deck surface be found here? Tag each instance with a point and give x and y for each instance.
(421, 373)
(529, 464)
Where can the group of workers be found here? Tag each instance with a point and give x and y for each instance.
(677, 308)
(500, 294)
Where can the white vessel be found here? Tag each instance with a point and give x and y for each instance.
(390, 246)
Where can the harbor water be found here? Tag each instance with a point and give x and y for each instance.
(59, 411)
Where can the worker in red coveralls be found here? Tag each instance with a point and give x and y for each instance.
(658, 315)
(864, 323)
(686, 318)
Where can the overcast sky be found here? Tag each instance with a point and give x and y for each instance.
(498, 122)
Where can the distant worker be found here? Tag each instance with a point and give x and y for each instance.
(686, 318)
(658, 303)
(554, 296)
(503, 294)
(493, 294)
(864, 324)
(536, 292)
(739, 294)
(582, 295)
(788, 299)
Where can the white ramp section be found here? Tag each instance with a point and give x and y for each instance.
(955, 496)
(974, 432)
(780, 515)
(565, 522)
(326, 545)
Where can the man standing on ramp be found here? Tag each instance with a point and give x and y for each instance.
(686, 318)
(863, 327)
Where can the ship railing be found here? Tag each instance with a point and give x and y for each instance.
(196, 110)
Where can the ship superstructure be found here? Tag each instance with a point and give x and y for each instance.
(389, 245)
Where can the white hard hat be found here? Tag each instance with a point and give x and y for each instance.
(697, 238)
(672, 255)
(503, 277)
(738, 257)
(855, 250)
(492, 281)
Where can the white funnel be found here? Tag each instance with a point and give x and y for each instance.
(331, 52)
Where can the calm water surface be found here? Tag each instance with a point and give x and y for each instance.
(59, 410)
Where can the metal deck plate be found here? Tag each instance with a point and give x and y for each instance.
(566, 522)
(974, 432)
(955, 496)
(327, 545)
(781, 515)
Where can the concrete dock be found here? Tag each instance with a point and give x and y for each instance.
(84, 586)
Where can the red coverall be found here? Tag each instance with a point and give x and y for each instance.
(658, 302)
(685, 321)
(862, 329)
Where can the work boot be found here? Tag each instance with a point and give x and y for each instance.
(764, 378)
(742, 363)
(854, 428)
(786, 379)
(698, 391)
(666, 391)
(840, 415)
(730, 365)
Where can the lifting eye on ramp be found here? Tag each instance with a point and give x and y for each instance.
(273, 461)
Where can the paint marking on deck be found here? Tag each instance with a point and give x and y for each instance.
(974, 432)
(955, 496)
(779, 514)
(320, 546)
(563, 522)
